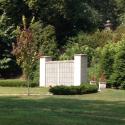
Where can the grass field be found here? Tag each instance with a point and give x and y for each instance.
(22, 90)
(104, 108)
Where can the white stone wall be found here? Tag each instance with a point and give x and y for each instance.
(69, 72)
(59, 73)
(80, 69)
(51, 74)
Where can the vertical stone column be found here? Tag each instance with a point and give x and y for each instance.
(80, 69)
(43, 61)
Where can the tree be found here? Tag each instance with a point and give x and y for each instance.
(67, 16)
(118, 75)
(106, 61)
(45, 37)
(25, 50)
(8, 65)
(14, 8)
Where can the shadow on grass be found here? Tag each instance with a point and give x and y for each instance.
(56, 111)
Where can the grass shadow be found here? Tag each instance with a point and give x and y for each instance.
(60, 111)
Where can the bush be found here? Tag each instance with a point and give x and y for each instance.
(87, 88)
(123, 85)
(16, 83)
(35, 73)
(109, 84)
(74, 90)
(118, 75)
(107, 56)
(75, 48)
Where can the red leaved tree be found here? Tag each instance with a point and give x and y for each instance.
(25, 51)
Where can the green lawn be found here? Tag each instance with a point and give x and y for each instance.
(22, 90)
(104, 108)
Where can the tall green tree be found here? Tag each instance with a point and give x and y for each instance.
(14, 10)
(8, 66)
(67, 16)
(45, 37)
(107, 55)
(118, 75)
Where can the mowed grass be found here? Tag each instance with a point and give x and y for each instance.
(22, 90)
(104, 108)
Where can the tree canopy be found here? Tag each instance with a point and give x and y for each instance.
(60, 27)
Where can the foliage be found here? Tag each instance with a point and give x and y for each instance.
(8, 66)
(36, 73)
(118, 75)
(112, 63)
(45, 38)
(104, 57)
(69, 12)
(74, 90)
(108, 9)
(107, 59)
(119, 33)
(123, 85)
(71, 16)
(88, 43)
(101, 38)
(25, 50)
(12, 8)
(75, 48)
(93, 40)
(94, 72)
(120, 6)
(62, 26)
(67, 16)
(83, 39)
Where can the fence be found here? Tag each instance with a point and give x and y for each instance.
(68, 72)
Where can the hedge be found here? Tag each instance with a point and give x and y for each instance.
(74, 90)
(16, 83)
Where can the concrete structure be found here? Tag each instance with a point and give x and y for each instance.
(102, 85)
(93, 82)
(68, 72)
